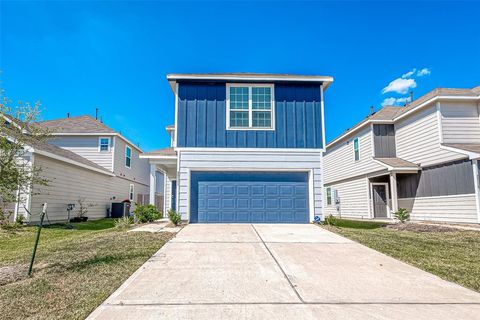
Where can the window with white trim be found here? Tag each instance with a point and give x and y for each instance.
(356, 149)
(131, 192)
(104, 144)
(250, 106)
(329, 196)
(128, 157)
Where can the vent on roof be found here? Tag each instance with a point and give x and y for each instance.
(372, 110)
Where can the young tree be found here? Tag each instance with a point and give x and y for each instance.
(18, 135)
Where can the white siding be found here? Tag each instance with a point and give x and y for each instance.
(340, 163)
(251, 161)
(87, 147)
(455, 209)
(140, 168)
(353, 196)
(460, 122)
(68, 183)
(418, 140)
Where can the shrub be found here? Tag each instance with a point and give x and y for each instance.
(146, 213)
(123, 223)
(174, 217)
(19, 219)
(402, 215)
(330, 220)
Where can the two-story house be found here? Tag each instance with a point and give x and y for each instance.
(87, 160)
(244, 148)
(423, 157)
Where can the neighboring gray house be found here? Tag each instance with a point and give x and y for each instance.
(424, 157)
(85, 159)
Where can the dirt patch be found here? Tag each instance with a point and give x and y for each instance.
(13, 273)
(419, 227)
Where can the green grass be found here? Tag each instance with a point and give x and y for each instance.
(75, 269)
(454, 256)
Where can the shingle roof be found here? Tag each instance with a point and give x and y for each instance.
(161, 152)
(397, 163)
(79, 124)
(471, 147)
(170, 126)
(67, 154)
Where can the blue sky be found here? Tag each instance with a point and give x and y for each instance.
(75, 56)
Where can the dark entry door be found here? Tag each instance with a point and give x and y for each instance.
(380, 200)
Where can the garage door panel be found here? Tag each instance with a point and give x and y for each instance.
(256, 201)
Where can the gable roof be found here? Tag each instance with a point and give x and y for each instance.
(81, 125)
(393, 113)
(397, 163)
(165, 152)
(78, 124)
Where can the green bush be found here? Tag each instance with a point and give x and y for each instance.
(174, 217)
(330, 220)
(402, 215)
(123, 223)
(146, 213)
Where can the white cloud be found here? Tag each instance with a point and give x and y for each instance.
(395, 101)
(400, 85)
(423, 72)
(409, 73)
(388, 102)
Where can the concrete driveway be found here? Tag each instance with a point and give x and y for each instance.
(262, 271)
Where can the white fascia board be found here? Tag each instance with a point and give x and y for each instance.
(143, 156)
(172, 79)
(471, 155)
(79, 164)
(114, 134)
(259, 150)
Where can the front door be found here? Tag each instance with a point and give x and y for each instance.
(380, 200)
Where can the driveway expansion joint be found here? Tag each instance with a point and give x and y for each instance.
(278, 264)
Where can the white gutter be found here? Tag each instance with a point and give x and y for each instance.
(471, 155)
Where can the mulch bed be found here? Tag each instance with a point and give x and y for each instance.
(420, 227)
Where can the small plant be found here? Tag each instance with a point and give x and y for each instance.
(19, 219)
(82, 211)
(174, 217)
(123, 223)
(402, 215)
(330, 220)
(146, 213)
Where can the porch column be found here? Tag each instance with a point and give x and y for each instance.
(476, 182)
(393, 188)
(153, 183)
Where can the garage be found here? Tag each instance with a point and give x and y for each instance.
(249, 197)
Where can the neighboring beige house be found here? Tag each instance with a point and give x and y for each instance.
(424, 157)
(87, 160)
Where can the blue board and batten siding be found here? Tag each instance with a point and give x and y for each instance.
(201, 118)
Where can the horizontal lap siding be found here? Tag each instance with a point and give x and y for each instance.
(201, 118)
(231, 161)
(86, 147)
(460, 122)
(339, 160)
(460, 208)
(417, 139)
(140, 169)
(353, 195)
(68, 183)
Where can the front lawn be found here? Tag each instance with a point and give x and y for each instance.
(75, 269)
(451, 254)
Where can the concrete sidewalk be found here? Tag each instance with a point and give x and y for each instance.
(281, 272)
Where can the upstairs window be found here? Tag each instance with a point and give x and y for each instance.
(104, 144)
(128, 157)
(356, 149)
(250, 106)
